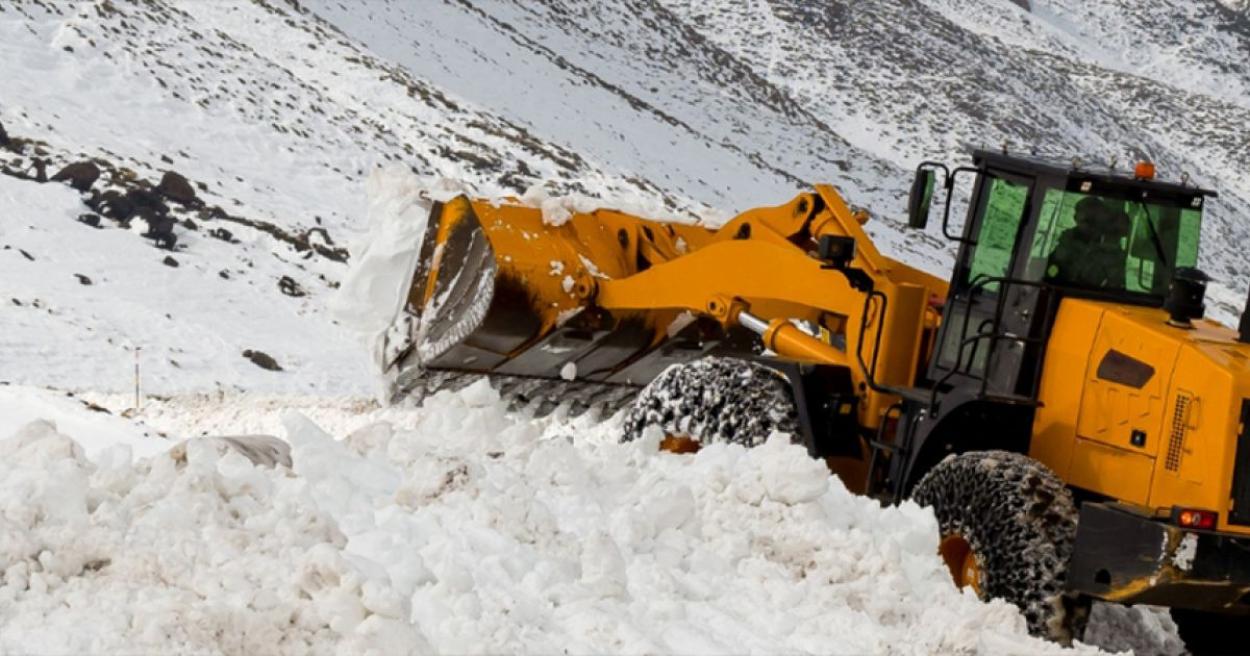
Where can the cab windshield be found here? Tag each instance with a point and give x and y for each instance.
(1112, 243)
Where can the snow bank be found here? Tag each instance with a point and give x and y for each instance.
(206, 555)
(461, 528)
(510, 539)
(95, 431)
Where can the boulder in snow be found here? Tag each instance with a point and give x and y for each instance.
(175, 187)
(262, 450)
(262, 360)
(79, 175)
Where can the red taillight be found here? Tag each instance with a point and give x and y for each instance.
(1144, 171)
(1193, 518)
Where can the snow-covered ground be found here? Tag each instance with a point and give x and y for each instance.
(455, 527)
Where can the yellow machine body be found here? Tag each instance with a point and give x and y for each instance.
(627, 286)
(1141, 411)
(1142, 416)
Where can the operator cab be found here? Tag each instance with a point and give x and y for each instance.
(1039, 229)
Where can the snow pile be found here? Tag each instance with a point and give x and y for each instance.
(94, 430)
(467, 530)
(207, 554)
(511, 539)
(1142, 630)
(384, 259)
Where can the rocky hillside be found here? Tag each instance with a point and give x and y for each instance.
(234, 138)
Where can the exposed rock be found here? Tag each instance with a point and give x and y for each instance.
(79, 175)
(92, 220)
(288, 286)
(4, 138)
(262, 360)
(325, 236)
(145, 199)
(160, 230)
(175, 187)
(262, 450)
(82, 280)
(114, 205)
(170, 262)
(222, 234)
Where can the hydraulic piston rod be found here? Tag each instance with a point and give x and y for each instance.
(788, 340)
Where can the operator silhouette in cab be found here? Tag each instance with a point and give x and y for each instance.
(1091, 254)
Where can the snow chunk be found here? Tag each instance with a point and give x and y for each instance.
(384, 260)
(1184, 556)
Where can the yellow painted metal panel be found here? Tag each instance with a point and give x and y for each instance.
(1067, 357)
(1117, 473)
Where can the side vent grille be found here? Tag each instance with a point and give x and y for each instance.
(1180, 420)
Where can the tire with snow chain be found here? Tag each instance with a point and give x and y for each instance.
(1015, 522)
(715, 400)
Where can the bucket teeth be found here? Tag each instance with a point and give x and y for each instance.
(538, 395)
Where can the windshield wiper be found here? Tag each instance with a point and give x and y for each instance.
(1154, 235)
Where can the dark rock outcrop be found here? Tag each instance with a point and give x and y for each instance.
(92, 220)
(113, 205)
(170, 262)
(288, 286)
(79, 175)
(82, 280)
(262, 360)
(175, 187)
(147, 203)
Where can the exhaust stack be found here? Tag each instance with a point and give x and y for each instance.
(1185, 297)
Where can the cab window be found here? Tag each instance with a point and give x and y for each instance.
(1113, 244)
(996, 237)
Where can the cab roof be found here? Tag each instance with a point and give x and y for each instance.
(1079, 170)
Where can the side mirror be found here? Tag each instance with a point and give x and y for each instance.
(921, 198)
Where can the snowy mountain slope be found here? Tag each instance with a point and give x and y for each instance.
(913, 80)
(78, 300)
(277, 111)
(625, 81)
(277, 119)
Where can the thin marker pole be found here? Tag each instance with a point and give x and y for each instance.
(137, 397)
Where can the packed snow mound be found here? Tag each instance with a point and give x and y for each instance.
(465, 529)
(209, 554)
(93, 428)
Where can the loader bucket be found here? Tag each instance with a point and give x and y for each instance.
(498, 292)
(469, 317)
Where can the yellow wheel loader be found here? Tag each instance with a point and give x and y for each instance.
(1079, 429)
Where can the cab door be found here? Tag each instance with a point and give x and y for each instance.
(966, 350)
